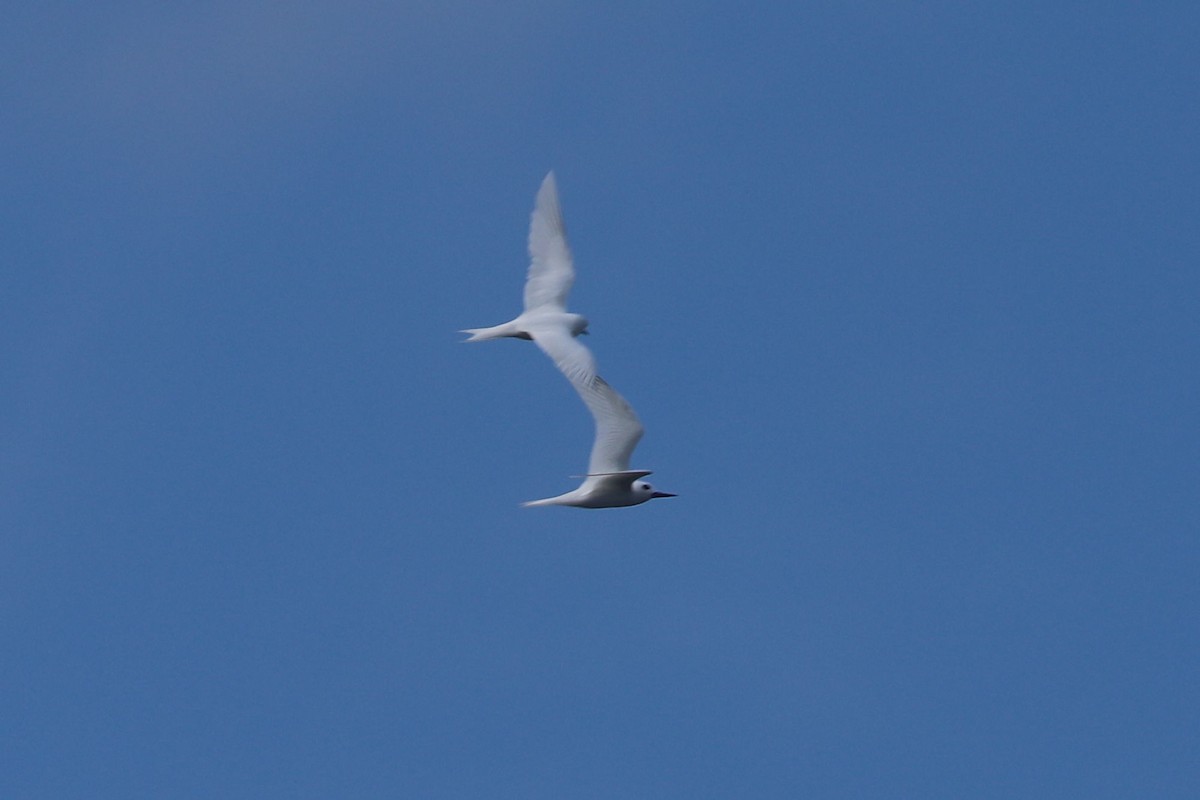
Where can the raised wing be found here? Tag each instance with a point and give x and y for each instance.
(551, 272)
(572, 358)
(618, 429)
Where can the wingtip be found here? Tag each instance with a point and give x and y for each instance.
(549, 188)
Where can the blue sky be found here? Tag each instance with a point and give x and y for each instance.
(904, 293)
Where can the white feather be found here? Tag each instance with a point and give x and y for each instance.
(618, 429)
(609, 482)
(551, 272)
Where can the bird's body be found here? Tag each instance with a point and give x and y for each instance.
(546, 322)
(523, 326)
(604, 491)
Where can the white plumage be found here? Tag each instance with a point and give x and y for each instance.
(547, 322)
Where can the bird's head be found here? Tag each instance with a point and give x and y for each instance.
(578, 324)
(645, 491)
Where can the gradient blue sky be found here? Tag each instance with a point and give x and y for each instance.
(906, 295)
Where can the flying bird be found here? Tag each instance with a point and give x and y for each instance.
(609, 481)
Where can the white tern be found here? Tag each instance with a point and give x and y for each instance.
(609, 481)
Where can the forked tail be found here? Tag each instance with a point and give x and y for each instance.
(548, 501)
(508, 329)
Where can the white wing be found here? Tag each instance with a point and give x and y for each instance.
(618, 429)
(550, 270)
(569, 355)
